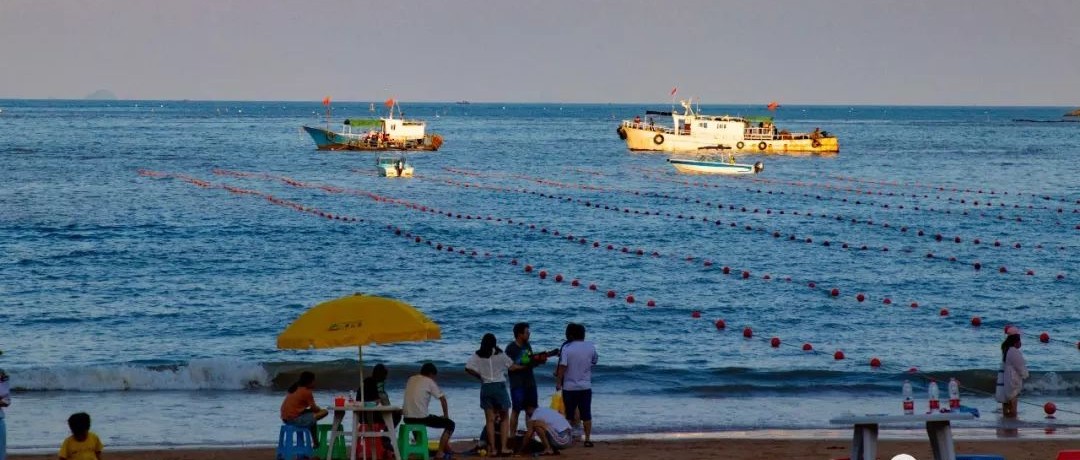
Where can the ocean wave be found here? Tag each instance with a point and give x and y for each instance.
(207, 374)
(344, 374)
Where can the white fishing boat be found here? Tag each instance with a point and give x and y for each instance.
(393, 166)
(691, 132)
(712, 165)
(376, 134)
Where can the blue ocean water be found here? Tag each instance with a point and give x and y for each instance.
(153, 303)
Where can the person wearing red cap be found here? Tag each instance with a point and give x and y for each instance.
(1011, 374)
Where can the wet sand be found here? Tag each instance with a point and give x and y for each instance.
(684, 449)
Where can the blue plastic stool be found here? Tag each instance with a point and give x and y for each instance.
(980, 457)
(294, 442)
(412, 440)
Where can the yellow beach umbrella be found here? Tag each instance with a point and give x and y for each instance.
(357, 320)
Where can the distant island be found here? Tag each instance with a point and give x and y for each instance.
(102, 95)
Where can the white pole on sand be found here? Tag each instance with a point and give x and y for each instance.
(360, 353)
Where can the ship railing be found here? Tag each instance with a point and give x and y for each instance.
(759, 134)
(647, 127)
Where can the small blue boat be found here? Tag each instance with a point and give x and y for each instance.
(711, 166)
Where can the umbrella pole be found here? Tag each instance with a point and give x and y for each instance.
(360, 354)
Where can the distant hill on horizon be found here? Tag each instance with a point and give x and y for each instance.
(102, 95)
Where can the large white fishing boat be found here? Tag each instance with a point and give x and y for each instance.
(694, 132)
(376, 134)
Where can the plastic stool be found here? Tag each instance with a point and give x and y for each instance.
(294, 442)
(1069, 455)
(412, 440)
(340, 453)
(980, 457)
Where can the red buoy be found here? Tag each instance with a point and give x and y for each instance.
(651, 303)
(558, 278)
(807, 347)
(860, 297)
(913, 370)
(775, 342)
(834, 292)
(1003, 269)
(1060, 276)
(914, 304)
(943, 312)
(747, 332)
(543, 274)
(513, 261)
(976, 321)
(978, 266)
(611, 294)
(1049, 408)
(575, 283)
(838, 355)
(745, 274)
(720, 324)
(1044, 337)
(528, 268)
(874, 362)
(1030, 272)
(766, 277)
(887, 301)
(592, 287)
(708, 263)
(695, 314)
(812, 285)
(726, 270)
(630, 299)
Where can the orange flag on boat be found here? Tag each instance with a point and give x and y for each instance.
(390, 102)
(773, 105)
(326, 100)
(674, 90)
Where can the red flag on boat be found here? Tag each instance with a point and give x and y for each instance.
(390, 102)
(326, 100)
(673, 90)
(773, 105)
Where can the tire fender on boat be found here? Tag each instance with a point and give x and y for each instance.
(622, 133)
(762, 145)
(658, 139)
(759, 167)
(815, 143)
(740, 145)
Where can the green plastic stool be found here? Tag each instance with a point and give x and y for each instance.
(340, 452)
(412, 440)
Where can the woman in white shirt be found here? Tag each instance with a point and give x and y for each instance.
(1012, 373)
(490, 364)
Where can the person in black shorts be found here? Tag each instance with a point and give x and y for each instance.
(522, 380)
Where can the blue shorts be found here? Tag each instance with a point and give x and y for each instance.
(306, 419)
(523, 396)
(579, 400)
(493, 396)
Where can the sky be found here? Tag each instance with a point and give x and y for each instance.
(910, 52)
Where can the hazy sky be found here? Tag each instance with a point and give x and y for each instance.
(984, 52)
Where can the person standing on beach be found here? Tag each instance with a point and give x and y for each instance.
(574, 377)
(1012, 373)
(83, 444)
(489, 364)
(299, 408)
(418, 392)
(5, 401)
(522, 380)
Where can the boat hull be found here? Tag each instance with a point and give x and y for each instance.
(329, 140)
(653, 140)
(390, 171)
(713, 167)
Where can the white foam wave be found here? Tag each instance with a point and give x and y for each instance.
(207, 374)
(1051, 382)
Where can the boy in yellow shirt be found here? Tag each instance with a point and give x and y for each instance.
(82, 444)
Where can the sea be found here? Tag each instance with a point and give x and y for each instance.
(151, 252)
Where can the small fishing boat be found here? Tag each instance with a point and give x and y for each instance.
(377, 134)
(692, 131)
(393, 166)
(712, 165)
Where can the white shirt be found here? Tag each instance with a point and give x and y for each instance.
(418, 392)
(491, 370)
(555, 421)
(578, 357)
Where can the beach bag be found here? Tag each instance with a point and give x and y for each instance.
(999, 390)
(557, 402)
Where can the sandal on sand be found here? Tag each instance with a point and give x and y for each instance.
(588, 444)
(549, 454)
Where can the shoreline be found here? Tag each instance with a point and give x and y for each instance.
(688, 448)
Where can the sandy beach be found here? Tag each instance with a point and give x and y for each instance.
(735, 449)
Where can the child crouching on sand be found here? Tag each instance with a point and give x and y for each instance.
(83, 444)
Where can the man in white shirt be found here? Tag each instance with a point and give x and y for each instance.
(550, 426)
(418, 392)
(574, 377)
